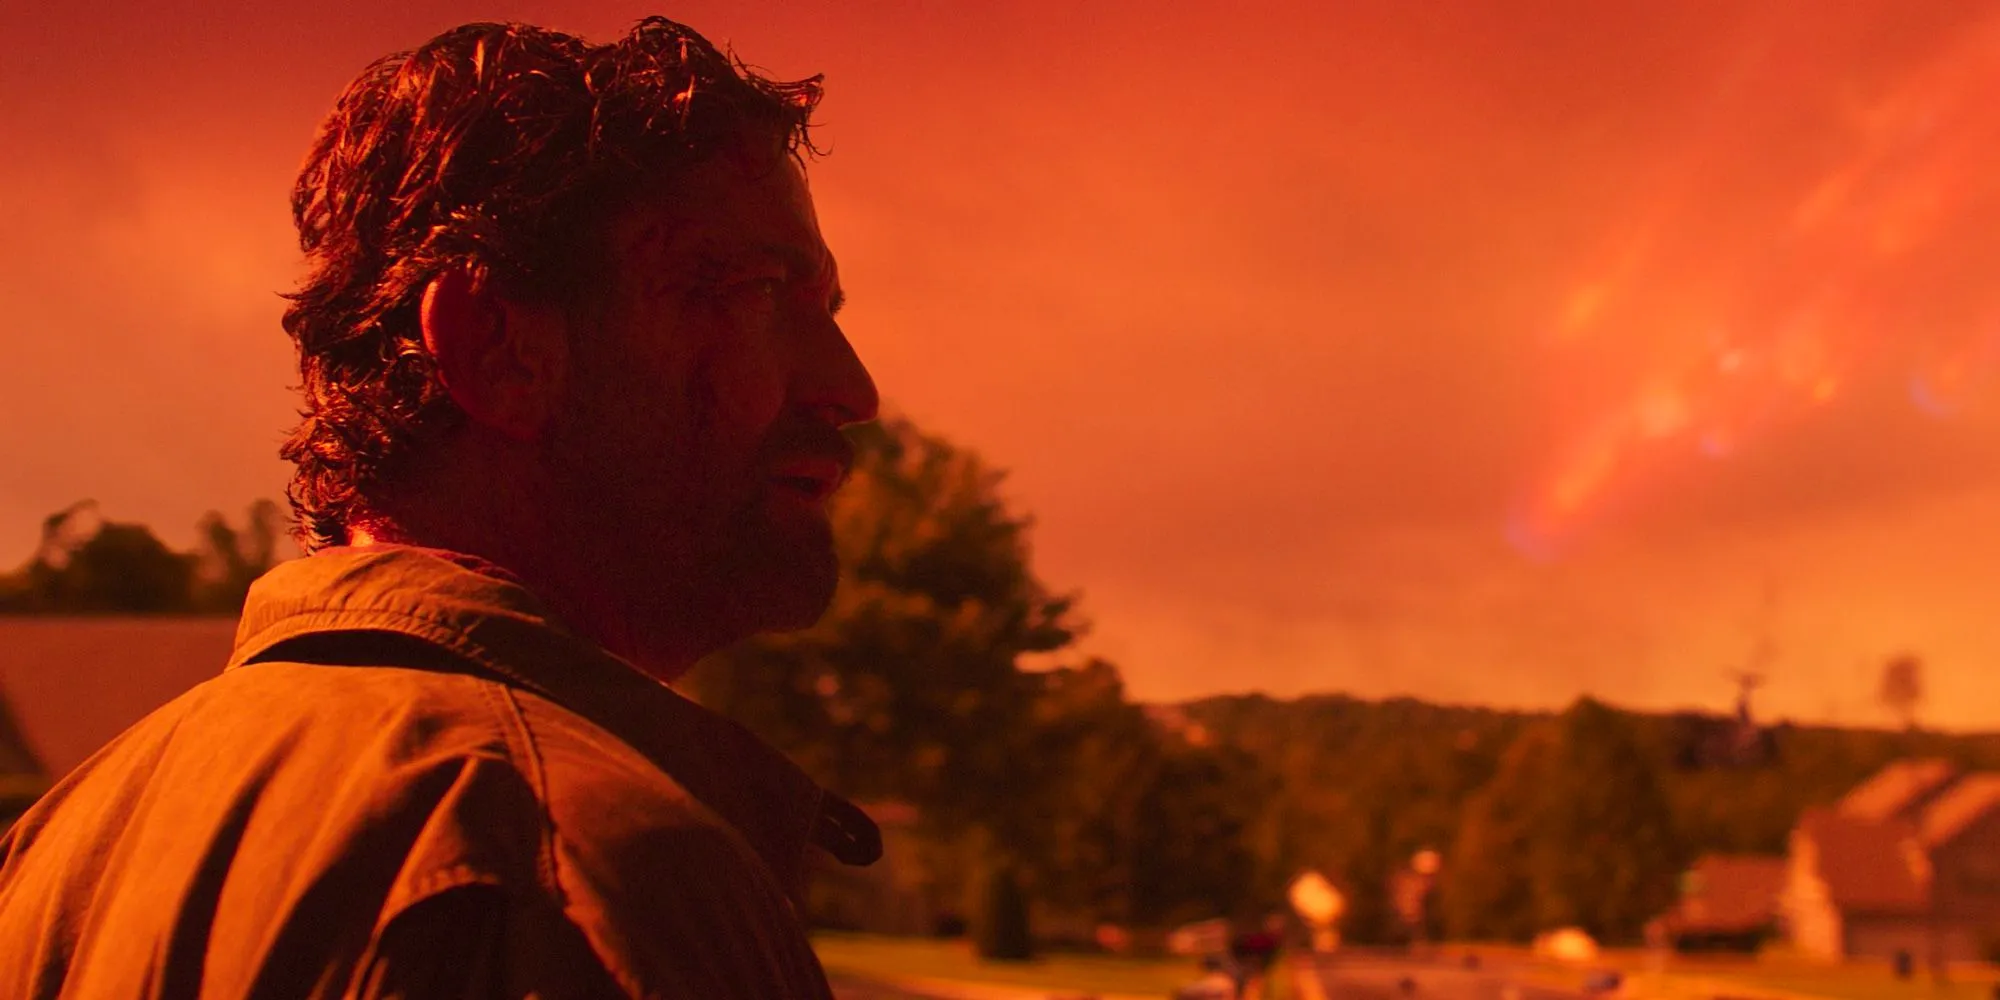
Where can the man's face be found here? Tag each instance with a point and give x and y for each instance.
(701, 440)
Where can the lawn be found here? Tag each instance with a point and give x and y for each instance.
(1850, 982)
(1773, 977)
(905, 959)
(887, 958)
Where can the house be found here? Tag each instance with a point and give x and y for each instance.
(1899, 791)
(1960, 831)
(74, 683)
(1907, 864)
(1728, 902)
(1857, 888)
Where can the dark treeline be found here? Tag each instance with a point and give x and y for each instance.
(1583, 818)
(1052, 787)
(86, 564)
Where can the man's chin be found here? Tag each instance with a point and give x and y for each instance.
(793, 591)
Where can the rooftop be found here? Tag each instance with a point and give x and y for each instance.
(73, 683)
(1960, 806)
(1900, 790)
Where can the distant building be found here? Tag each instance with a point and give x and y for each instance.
(1899, 791)
(73, 683)
(1908, 863)
(1728, 902)
(1857, 888)
(69, 684)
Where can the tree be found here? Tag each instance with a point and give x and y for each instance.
(1902, 688)
(1089, 757)
(230, 561)
(1603, 853)
(1002, 932)
(1487, 891)
(1574, 830)
(87, 565)
(1190, 857)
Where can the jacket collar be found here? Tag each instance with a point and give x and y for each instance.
(484, 616)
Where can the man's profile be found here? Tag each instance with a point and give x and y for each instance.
(573, 390)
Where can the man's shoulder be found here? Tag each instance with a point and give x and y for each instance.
(622, 821)
(602, 791)
(302, 714)
(338, 797)
(674, 896)
(353, 747)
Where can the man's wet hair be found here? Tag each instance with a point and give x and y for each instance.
(497, 148)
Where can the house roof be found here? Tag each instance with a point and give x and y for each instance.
(1868, 866)
(1900, 790)
(1731, 892)
(73, 683)
(1965, 803)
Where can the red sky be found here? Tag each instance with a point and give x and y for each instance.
(1482, 352)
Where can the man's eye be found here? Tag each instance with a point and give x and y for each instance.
(754, 302)
(757, 291)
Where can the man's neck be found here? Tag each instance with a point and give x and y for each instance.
(585, 609)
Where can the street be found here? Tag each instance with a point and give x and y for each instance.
(1347, 976)
(1383, 977)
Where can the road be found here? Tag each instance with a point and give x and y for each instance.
(1342, 977)
(1392, 978)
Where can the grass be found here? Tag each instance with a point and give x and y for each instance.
(890, 958)
(870, 957)
(1703, 978)
(1847, 982)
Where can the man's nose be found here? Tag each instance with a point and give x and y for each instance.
(837, 384)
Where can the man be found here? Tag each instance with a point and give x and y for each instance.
(573, 397)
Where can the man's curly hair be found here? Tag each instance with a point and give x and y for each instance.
(497, 148)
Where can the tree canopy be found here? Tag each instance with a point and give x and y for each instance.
(87, 564)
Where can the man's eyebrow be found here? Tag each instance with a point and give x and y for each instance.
(805, 263)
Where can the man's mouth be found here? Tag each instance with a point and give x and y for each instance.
(814, 479)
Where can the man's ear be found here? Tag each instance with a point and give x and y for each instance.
(503, 363)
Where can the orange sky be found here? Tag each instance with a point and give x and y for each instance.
(1482, 352)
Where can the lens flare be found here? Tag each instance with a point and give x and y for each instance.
(1867, 259)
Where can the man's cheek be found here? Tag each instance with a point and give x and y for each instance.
(744, 393)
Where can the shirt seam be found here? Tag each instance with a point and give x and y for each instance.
(521, 742)
(625, 977)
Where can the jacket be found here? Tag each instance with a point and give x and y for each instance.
(410, 780)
